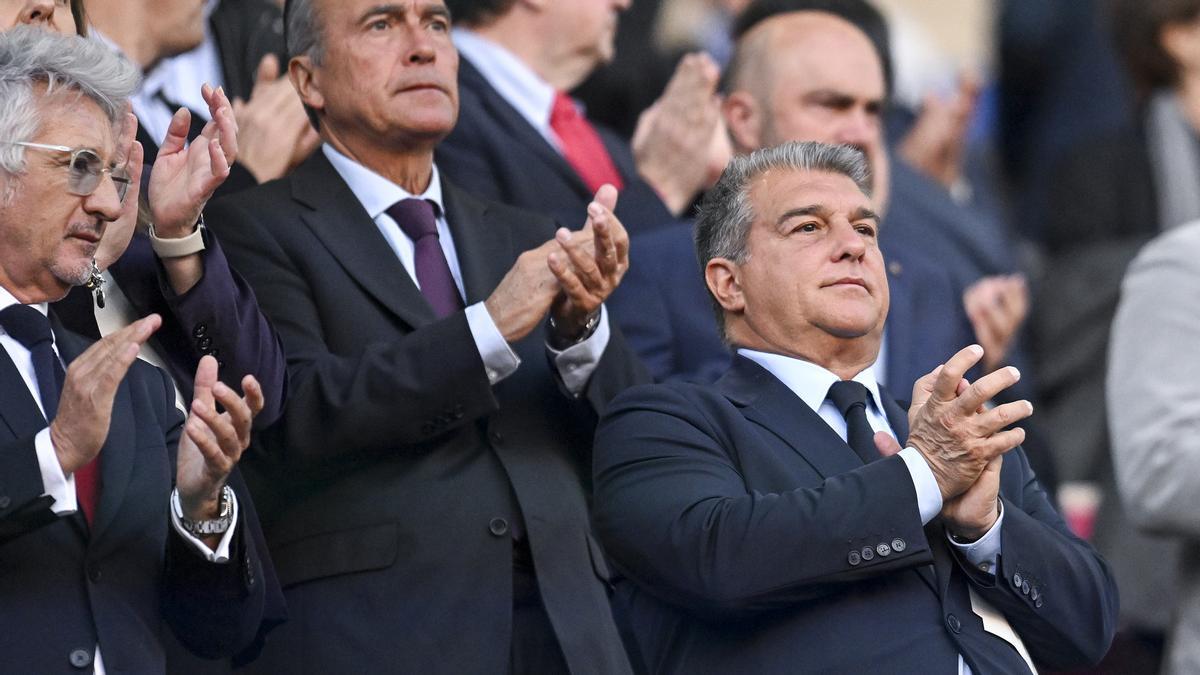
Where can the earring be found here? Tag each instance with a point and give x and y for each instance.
(95, 283)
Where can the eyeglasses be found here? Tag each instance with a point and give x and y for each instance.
(86, 169)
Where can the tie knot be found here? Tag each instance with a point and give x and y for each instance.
(26, 325)
(846, 394)
(563, 110)
(415, 217)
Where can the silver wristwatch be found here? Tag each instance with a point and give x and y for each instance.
(205, 528)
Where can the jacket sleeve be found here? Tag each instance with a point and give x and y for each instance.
(221, 314)
(214, 609)
(1055, 590)
(23, 506)
(672, 509)
(1154, 387)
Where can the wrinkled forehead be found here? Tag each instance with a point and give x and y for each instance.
(781, 190)
(71, 118)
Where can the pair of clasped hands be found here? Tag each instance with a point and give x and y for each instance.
(962, 439)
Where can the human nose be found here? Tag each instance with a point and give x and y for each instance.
(37, 12)
(422, 49)
(104, 201)
(860, 128)
(847, 242)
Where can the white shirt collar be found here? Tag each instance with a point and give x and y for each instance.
(511, 77)
(808, 380)
(7, 299)
(376, 193)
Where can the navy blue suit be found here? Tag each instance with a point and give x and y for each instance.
(67, 586)
(495, 154)
(739, 517)
(666, 314)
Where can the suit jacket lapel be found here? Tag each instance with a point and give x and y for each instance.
(484, 246)
(117, 455)
(18, 410)
(520, 130)
(768, 402)
(338, 219)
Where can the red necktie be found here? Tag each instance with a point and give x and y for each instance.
(581, 145)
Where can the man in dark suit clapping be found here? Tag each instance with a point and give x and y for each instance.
(771, 523)
(425, 494)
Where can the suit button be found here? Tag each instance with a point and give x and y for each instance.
(80, 658)
(206, 344)
(883, 550)
(94, 574)
(868, 553)
(498, 526)
(200, 330)
(1038, 603)
(953, 623)
(898, 545)
(854, 558)
(1017, 581)
(5, 502)
(1035, 593)
(1025, 587)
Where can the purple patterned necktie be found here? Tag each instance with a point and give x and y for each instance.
(416, 218)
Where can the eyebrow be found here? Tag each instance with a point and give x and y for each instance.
(824, 212)
(427, 10)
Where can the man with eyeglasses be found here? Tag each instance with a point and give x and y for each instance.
(115, 514)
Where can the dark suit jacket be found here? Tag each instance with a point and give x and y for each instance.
(66, 588)
(391, 485)
(495, 154)
(245, 31)
(218, 316)
(739, 516)
(666, 313)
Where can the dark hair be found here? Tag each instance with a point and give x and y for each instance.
(478, 12)
(1136, 28)
(858, 12)
(80, 17)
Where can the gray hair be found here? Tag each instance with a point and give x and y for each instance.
(30, 56)
(723, 224)
(302, 37)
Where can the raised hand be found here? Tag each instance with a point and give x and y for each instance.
(275, 131)
(185, 176)
(997, 307)
(85, 405)
(588, 274)
(673, 142)
(954, 432)
(213, 442)
(118, 233)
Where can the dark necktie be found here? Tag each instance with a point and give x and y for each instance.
(416, 218)
(850, 398)
(31, 328)
(581, 145)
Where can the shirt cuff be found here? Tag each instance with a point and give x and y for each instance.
(499, 360)
(984, 552)
(221, 554)
(929, 495)
(55, 482)
(576, 363)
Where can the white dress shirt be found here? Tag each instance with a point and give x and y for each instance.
(55, 482)
(811, 383)
(377, 194)
(530, 95)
